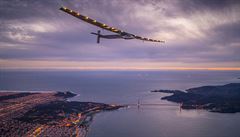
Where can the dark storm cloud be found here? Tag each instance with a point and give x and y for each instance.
(195, 30)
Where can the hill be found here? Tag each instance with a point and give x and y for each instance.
(223, 98)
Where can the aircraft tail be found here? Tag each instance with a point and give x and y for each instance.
(98, 35)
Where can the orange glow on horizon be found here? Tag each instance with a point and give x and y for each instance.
(119, 68)
(115, 65)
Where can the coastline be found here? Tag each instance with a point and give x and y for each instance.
(40, 114)
(221, 98)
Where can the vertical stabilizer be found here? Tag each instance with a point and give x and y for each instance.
(98, 36)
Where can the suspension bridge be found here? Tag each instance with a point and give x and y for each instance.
(180, 105)
(139, 104)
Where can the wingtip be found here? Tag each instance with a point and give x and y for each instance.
(63, 8)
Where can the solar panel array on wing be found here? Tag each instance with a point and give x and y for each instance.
(91, 21)
(104, 26)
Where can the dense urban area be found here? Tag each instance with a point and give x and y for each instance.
(46, 114)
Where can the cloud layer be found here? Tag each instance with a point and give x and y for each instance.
(198, 33)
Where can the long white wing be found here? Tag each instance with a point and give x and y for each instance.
(104, 26)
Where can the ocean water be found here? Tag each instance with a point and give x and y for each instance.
(127, 87)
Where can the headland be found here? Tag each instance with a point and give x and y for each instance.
(222, 98)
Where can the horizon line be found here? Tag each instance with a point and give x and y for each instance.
(120, 69)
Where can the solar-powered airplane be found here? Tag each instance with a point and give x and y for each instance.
(120, 34)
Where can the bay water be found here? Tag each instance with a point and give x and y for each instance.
(129, 87)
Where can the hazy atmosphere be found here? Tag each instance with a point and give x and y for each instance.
(59, 80)
(199, 34)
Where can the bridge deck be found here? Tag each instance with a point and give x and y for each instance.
(152, 104)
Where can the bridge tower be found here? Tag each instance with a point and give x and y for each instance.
(138, 104)
(180, 106)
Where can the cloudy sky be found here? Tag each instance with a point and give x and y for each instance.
(199, 34)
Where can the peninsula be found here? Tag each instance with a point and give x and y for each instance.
(223, 98)
(46, 114)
